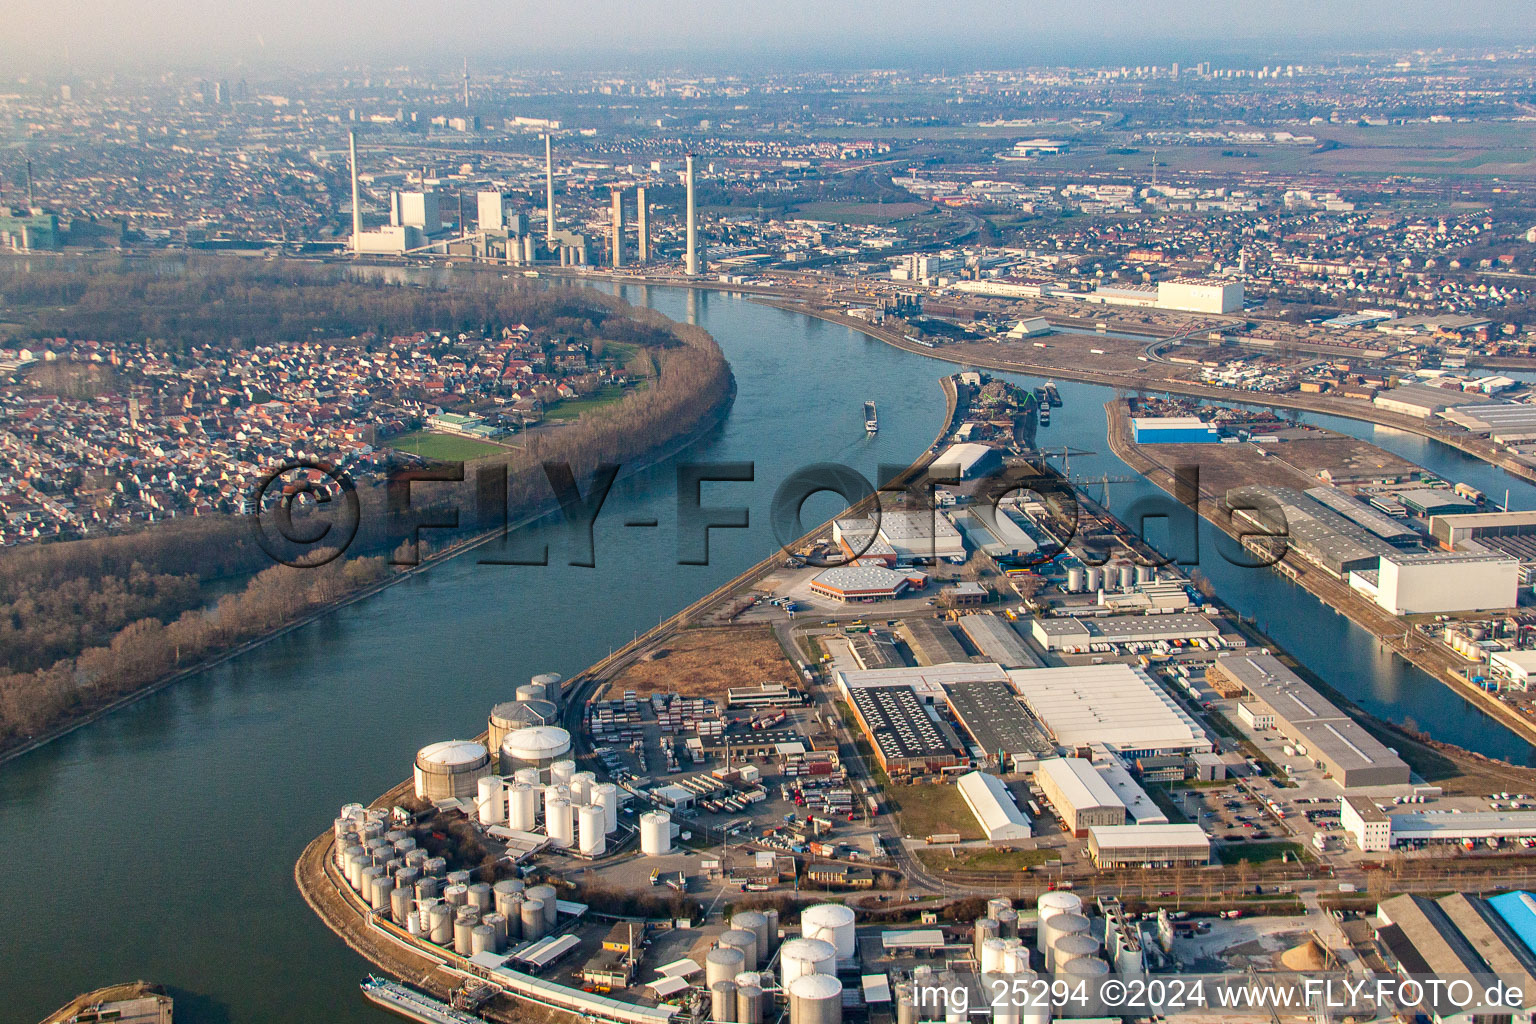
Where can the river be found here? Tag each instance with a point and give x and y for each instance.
(159, 842)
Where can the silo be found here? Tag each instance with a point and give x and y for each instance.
(1058, 926)
(591, 831)
(460, 877)
(429, 888)
(1127, 576)
(1129, 959)
(456, 895)
(773, 931)
(606, 796)
(553, 792)
(986, 928)
(1049, 904)
(498, 925)
(722, 963)
(582, 784)
(996, 906)
(527, 776)
(434, 866)
(1008, 923)
(998, 992)
(1075, 580)
(1068, 948)
(799, 957)
(655, 833)
(559, 823)
(365, 880)
(463, 938)
(740, 938)
(816, 999)
(522, 807)
(482, 939)
(440, 924)
(450, 770)
(414, 926)
(1091, 972)
(536, 747)
(831, 922)
(757, 924)
(399, 904)
(378, 892)
(512, 715)
(404, 846)
(1145, 574)
(749, 1004)
(562, 772)
(722, 1001)
(533, 919)
(546, 895)
(480, 896)
(551, 682)
(503, 892)
(490, 800)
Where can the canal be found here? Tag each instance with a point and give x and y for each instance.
(159, 842)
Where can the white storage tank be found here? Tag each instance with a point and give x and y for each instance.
(504, 893)
(749, 1004)
(1074, 580)
(606, 796)
(559, 823)
(552, 793)
(456, 895)
(994, 953)
(799, 957)
(1008, 923)
(536, 747)
(722, 963)
(528, 691)
(656, 833)
(757, 924)
(1068, 948)
(498, 925)
(522, 807)
(1093, 577)
(1127, 576)
(562, 772)
(527, 776)
(464, 938)
(996, 906)
(831, 922)
(546, 895)
(378, 892)
(591, 831)
(400, 904)
(816, 999)
(1049, 904)
(582, 784)
(551, 682)
(451, 770)
(512, 715)
(440, 924)
(740, 938)
(1145, 574)
(1058, 926)
(482, 939)
(533, 919)
(480, 896)
(722, 1002)
(998, 992)
(1091, 971)
(491, 800)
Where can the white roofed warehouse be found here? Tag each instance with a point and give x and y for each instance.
(1080, 796)
(1148, 846)
(997, 814)
(1119, 706)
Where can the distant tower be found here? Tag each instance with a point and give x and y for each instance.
(549, 186)
(466, 83)
(642, 227)
(618, 227)
(357, 210)
(31, 199)
(133, 415)
(691, 261)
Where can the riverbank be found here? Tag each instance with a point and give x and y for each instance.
(1389, 630)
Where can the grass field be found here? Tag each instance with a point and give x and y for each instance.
(926, 809)
(975, 859)
(571, 408)
(447, 447)
(1261, 853)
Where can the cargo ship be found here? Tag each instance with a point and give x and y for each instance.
(407, 1002)
(1045, 415)
(1052, 396)
(871, 421)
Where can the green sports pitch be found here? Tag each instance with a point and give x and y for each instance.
(445, 447)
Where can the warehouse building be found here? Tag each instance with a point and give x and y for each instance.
(1366, 822)
(1393, 531)
(1441, 583)
(905, 738)
(993, 532)
(1311, 529)
(858, 539)
(1080, 796)
(1151, 846)
(1116, 705)
(968, 460)
(1416, 400)
(998, 641)
(1200, 295)
(1005, 733)
(900, 536)
(1470, 826)
(1074, 635)
(1434, 501)
(1352, 756)
(859, 583)
(1457, 936)
(1000, 819)
(1451, 531)
(927, 681)
(1506, 422)
(931, 642)
(1174, 430)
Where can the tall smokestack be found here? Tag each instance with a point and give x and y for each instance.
(549, 187)
(642, 226)
(357, 210)
(618, 227)
(31, 200)
(466, 83)
(691, 262)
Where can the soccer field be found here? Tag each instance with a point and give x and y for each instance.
(447, 447)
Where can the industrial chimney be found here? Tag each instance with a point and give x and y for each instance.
(691, 262)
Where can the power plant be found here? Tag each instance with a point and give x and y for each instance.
(691, 261)
(549, 187)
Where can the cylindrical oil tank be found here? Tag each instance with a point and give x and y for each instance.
(723, 963)
(466, 913)
(1068, 948)
(460, 877)
(606, 796)
(480, 896)
(722, 1001)
(503, 893)
(1145, 574)
(1049, 904)
(407, 877)
(998, 992)
(513, 715)
(418, 858)
(451, 769)
(404, 846)
(365, 880)
(533, 919)
(799, 957)
(1127, 576)
(816, 999)
(773, 931)
(591, 831)
(400, 904)
(482, 939)
(498, 925)
(528, 691)
(491, 800)
(986, 928)
(1008, 923)
(996, 906)
(440, 923)
(1092, 971)
(994, 953)
(1129, 959)
(352, 868)
(522, 807)
(546, 894)
(552, 683)
(831, 922)
(535, 746)
(906, 1005)
(1059, 925)
(562, 772)
(552, 793)
(956, 1002)
(527, 776)
(1093, 577)
(464, 938)
(456, 895)
(655, 833)
(393, 836)
(429, 888)
(581, 787)
(1074, 580)
(413, 925)
(757, 924)
(559, 823)
(378, 893)
(372, 830)
(749, 1004)
(740, 938)
(434, 866)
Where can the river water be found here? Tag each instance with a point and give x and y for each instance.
(159, 842)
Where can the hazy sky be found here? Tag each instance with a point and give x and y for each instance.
(607, 32)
